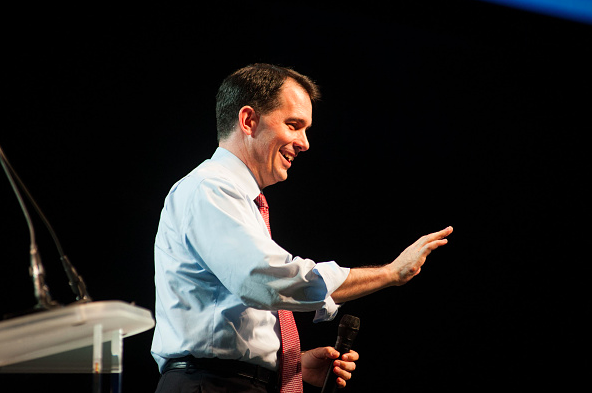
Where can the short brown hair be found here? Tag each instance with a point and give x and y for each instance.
(257, 85)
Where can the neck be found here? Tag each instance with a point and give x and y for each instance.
(238, 148)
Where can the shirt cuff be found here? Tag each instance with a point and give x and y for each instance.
(333, 275)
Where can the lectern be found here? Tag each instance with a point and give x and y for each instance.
(80, 338)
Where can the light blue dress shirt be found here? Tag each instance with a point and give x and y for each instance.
(219, 276)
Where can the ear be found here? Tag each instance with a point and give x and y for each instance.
(248, 120)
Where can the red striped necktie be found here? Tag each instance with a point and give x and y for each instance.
(290, 368)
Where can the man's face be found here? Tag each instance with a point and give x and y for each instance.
(281, 135)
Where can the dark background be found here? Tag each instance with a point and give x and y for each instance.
(434, 113)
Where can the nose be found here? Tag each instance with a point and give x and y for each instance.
(301, 142)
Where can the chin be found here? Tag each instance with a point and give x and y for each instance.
(281, 178)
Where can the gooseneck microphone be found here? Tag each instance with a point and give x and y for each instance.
(346, 333)
(36, 270)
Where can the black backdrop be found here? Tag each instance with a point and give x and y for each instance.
(464, 114)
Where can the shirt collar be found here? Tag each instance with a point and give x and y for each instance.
(240, 172)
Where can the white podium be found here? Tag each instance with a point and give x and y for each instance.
(82, 338)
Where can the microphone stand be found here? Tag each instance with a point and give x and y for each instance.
(36, 270)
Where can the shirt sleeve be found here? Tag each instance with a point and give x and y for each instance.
(223, 228)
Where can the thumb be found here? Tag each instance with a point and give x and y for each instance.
(332, 353)
(325, 353)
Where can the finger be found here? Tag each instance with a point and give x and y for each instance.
(351, 356)
(331, 353)
(443, 233)
(435, 244)
(347, 366)
(427, 249)
(341, 373)
(325, 353)
(436, 235)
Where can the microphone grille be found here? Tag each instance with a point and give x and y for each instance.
(350, 321)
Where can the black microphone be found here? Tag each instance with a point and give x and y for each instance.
(347, 331)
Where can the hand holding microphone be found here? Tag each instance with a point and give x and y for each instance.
(346, 333)
(341, 360)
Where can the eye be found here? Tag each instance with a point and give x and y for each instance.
(292, 126)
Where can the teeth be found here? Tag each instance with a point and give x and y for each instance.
(288, 158)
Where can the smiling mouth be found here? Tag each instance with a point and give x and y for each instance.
(287, 157)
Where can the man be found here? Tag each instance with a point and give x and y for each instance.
(224, 288)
